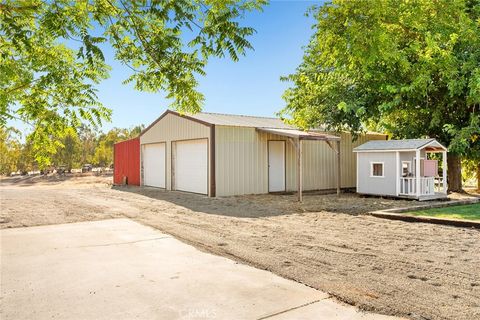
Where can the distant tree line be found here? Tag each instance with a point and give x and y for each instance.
(75, 148)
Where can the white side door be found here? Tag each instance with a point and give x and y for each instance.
(191, 166)
(154, 165)
(276, 166)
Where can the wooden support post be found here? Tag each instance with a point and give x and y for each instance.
(398, 172)
(299, 170)
(417, 173)
(339, 173)
(444, 172)
(356, 166)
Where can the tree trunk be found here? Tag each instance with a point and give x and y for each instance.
(454, 173)
(478, 177)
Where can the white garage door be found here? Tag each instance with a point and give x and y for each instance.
(154, 165)
(191, 166)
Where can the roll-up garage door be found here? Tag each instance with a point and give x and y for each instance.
(154, 165)
(191, 166)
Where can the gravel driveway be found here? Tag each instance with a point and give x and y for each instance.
(416, 270)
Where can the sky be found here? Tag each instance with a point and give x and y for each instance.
(250, 86)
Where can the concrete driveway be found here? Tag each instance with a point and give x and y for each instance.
(119, 269)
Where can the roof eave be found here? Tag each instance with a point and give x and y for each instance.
(168, 111)
(383, 150)
(276, 131)
(434, 140)
(330, 138)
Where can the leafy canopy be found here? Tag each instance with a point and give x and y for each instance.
(51, 55)
(410, 68)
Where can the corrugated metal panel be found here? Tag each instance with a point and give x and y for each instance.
(240, 120)
(126, 162)
(242, 161)
(174, 128)
(319, 162)
(349, 159)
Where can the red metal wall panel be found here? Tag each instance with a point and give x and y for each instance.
(126, 162)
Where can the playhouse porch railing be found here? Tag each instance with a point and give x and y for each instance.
(428, 185)
(439, 185)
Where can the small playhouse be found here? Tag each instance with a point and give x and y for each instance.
(402, 168)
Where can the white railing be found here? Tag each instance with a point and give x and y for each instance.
(428, 186)
(439, 185)
(408, 186)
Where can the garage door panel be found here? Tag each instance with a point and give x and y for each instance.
(191, 166)
(154, 165)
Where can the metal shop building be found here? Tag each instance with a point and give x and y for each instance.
(226, 155)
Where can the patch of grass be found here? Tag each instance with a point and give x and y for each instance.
(467, 212)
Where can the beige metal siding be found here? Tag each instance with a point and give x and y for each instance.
(242, 161)
(174, 128)
(349, 159)
(319, 163)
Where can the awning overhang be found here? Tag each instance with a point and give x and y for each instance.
(301, 135)
(296, 137)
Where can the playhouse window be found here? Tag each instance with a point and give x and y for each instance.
(377, 169)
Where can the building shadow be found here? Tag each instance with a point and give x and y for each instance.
(250, 206)
(268, 205)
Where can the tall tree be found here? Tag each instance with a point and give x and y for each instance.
(466, 141)
(103, 156)
(51, 55)
(10, 150)
(87, 138)
(410, 66)
(26, 160)
(69, 153)
(135, 131)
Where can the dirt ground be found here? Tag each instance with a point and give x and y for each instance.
(415, 270)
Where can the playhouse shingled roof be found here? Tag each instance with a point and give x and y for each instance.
(398, 145)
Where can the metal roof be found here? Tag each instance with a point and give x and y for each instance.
(240, 120)
(398, 145)
(260, 123)
(220, 119)
(302, 135)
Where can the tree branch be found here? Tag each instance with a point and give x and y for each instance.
(11, 116)
(125, 63)
(144, 42)
(24, 85)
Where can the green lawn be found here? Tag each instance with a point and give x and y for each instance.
(468, 212)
